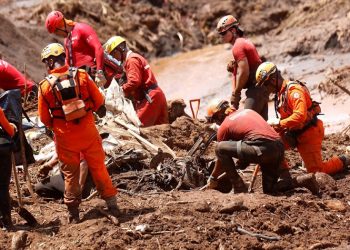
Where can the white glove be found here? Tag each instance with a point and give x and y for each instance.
(214, 127)
(100, 78)
(274, 122)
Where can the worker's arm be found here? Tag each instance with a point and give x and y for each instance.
(10, 128)
(133, 71)
(94, 93)
(297, 102)
(242, 75)
(91, 39)
(43, 109)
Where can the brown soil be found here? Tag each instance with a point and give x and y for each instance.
(192, 219)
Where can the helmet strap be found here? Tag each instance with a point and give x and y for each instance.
(276, 94)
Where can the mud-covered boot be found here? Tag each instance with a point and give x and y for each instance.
(6, 222)
(307, 181)
(239, 186)
(285, 181)
(73, 214)
(112, 206)
(346, 161)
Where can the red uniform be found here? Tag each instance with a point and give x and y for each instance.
(295, 110)
(74, 139)
(243, 48)
(141, 80)
(5, 125)
(85, 47)
(245, 125)
(11, 78)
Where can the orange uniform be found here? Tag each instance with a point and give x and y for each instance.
(295, 109)
(141, 80)
(77, 136)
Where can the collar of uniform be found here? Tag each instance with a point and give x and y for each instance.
(59, 70)
(128, 54)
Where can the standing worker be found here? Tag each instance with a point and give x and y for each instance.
(243, 66)
(67, 98)
(7, 130)
(246, 136)
(11, 78)
(141, 85)
(298, 123)
(82, 46)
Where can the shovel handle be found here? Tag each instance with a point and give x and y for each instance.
(19, 193)
(219, 177)
(194, 114)
(255, 174)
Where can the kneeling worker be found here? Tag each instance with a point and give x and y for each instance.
(246, 136)
(141, 85)
(67, 98)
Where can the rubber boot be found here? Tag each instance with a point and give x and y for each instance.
(285, 181)
(307, 181)
(7, 222)
(346, 161)
(239, 186)
(112, 206)
(73, 214)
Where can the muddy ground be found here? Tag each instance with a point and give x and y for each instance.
(193, 219)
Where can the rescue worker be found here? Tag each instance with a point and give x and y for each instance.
(298, 123)
(243, 66)
(82, 46)
(11, 78)
(246, 136)
(73, 125)
(141, 85)
(7, 130)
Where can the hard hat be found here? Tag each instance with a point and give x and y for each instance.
(264, 71)
(53, 49)
(226, 22)
(53, 21)
(215, 106)
(113, 43)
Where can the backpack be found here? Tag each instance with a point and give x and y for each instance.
(66, 89)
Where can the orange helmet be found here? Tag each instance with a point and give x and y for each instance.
(226, 22)
(264, 72)
(215, 106)
(53, 21)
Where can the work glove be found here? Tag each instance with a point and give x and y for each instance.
(214, 127)
(235, 99)
(230, 66)
(100, 78)
(212, 183)
(274, 122)
(101, 112)
(14, 128)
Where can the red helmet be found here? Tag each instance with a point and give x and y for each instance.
(53, 21)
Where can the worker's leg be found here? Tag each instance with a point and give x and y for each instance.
(257, 100)
(95, 156)
(5, 177)
(153, 113)
(310, 146)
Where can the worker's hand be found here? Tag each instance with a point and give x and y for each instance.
(212, 183)
(235, 99)
(231, 65)
(44, 170)
(100, 78)
(274, 122)
(14, 127)
(214, 127)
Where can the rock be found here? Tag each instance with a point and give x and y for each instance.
(142, 228)
(326, 182)
(19, 240)
(335, 205)
(233, 207)
(202, 207)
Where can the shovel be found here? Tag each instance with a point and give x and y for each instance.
(194, 114)
(24, 213)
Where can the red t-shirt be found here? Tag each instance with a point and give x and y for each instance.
(245, 125)
(243, 48)
(85, 47)
(11, 78)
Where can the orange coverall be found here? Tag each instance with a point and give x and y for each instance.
(140, 78)
(4, 123)
(73, 138)
(293, 109)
